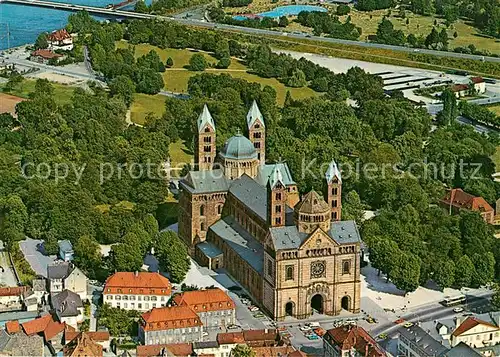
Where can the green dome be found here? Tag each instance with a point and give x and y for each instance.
(237, 148)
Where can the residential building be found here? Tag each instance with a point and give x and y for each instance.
(68, 307)
(100, 337)
(60, 40)
(261, 338)
(415, 342)
(21, 316)
(65, 275)
(46, 326)
(479, 84)
(44, 56)
(11, 297)
(18, 343)
(460, 90)
(456, 200)
(350, 340)
(82, 346)
(176, 324)
(66, 250)
(461, 350)
(139, 291)
(295, 257)
(39, 290)
(170, 350)
(213, 306)
(475, 332)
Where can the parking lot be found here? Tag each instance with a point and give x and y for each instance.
(37, 260)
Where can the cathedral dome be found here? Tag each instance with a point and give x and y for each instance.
(238, 147)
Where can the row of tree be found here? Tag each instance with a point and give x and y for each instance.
(479, 114)
(325, 23)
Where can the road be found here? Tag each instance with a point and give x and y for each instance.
(253, 31)
(429, 313)
(433, 109)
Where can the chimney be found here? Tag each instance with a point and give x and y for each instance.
(136, 273)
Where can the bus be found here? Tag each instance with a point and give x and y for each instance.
(453, 300)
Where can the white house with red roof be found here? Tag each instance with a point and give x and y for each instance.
(479, 84)
(60, 40)
(476, 333)
(141, 291)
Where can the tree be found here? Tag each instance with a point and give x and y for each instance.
(243, 351)
(140, 6)
(283, 21)
(382, 253)
(406, 272)
(464, 272)
(495, 299)
(13, 219)
(50, 244)
(352, 208)
(119, 322)
(343, 9)
(123, 87)
(297, 79)
(444, 274)
(151, 226)
(88, 254)
(41, 41)
(149, 81)
(124, 257)
(197, 62)
(169, 63)
(172, 255)
(14, 81)
(224, 62)
(450, 108)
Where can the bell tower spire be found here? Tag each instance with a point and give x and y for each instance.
(205, 141)
(334, 190)
(276, 199)
(257, 131)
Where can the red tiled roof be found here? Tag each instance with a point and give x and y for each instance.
(470, 323)
(167, 318)
(98, 336)
(47, 54)
(348, 337)
(58, 35)
(37, 325)
(297, 354)
(459, 87)
(12, 290)
(53, 328)
(205, 300)
(179, 350)
(82, 346)
(477, 80)
(260, 335)
(142, 283)
(461, 199)
(12, 326)
(230, 338)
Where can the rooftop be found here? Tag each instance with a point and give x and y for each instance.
(461, 199)
(177, 349)
(13, 290)
(266, 170)
(66, 303)
(205, 181)
(209, 249)
(254, 115)
(59, 270)
(230, 338)
(348, 337)
(65, 246)
(312, 203)
(205, 119)
(58, 35)
(82, 346)
(143, 283)
(238, 147)
(418, 337)
(47, 54)
(234, 235)
(471, 322)
(173, 317)
(205, 300)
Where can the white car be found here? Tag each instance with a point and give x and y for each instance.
(313, 324)
(205, 333)
(254, 308)
(305, 328)
(458, 309)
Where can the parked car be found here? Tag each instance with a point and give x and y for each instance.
(253, 308)
(382, 336)
(312, 337)
(232, 327)
(319, 331)
(458, 309)
(305, 328)
(313, 324)
(408, 324)
(205, 334)
(234, 288)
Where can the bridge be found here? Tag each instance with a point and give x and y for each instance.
(122, 4)
(112, 12)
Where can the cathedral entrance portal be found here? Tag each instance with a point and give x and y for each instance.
(345, 302)
(317, 303)
(289, 309)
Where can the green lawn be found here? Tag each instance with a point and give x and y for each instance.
(495, 109)
(177, 77)
(179, 154)
(62, 93)
(144, 104)
(496, 159)
(422, 25)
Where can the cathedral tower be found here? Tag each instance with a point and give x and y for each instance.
(205, 141)
(334, 190)
(257, 131)
(312, 212)
(276, 200)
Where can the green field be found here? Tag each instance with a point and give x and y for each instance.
(144, 104)
(177, 77)
(62, 93)
(495, 109)
(421, 26)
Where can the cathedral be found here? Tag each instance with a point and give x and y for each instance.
(293, 254)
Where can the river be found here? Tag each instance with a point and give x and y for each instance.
(26, 22)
